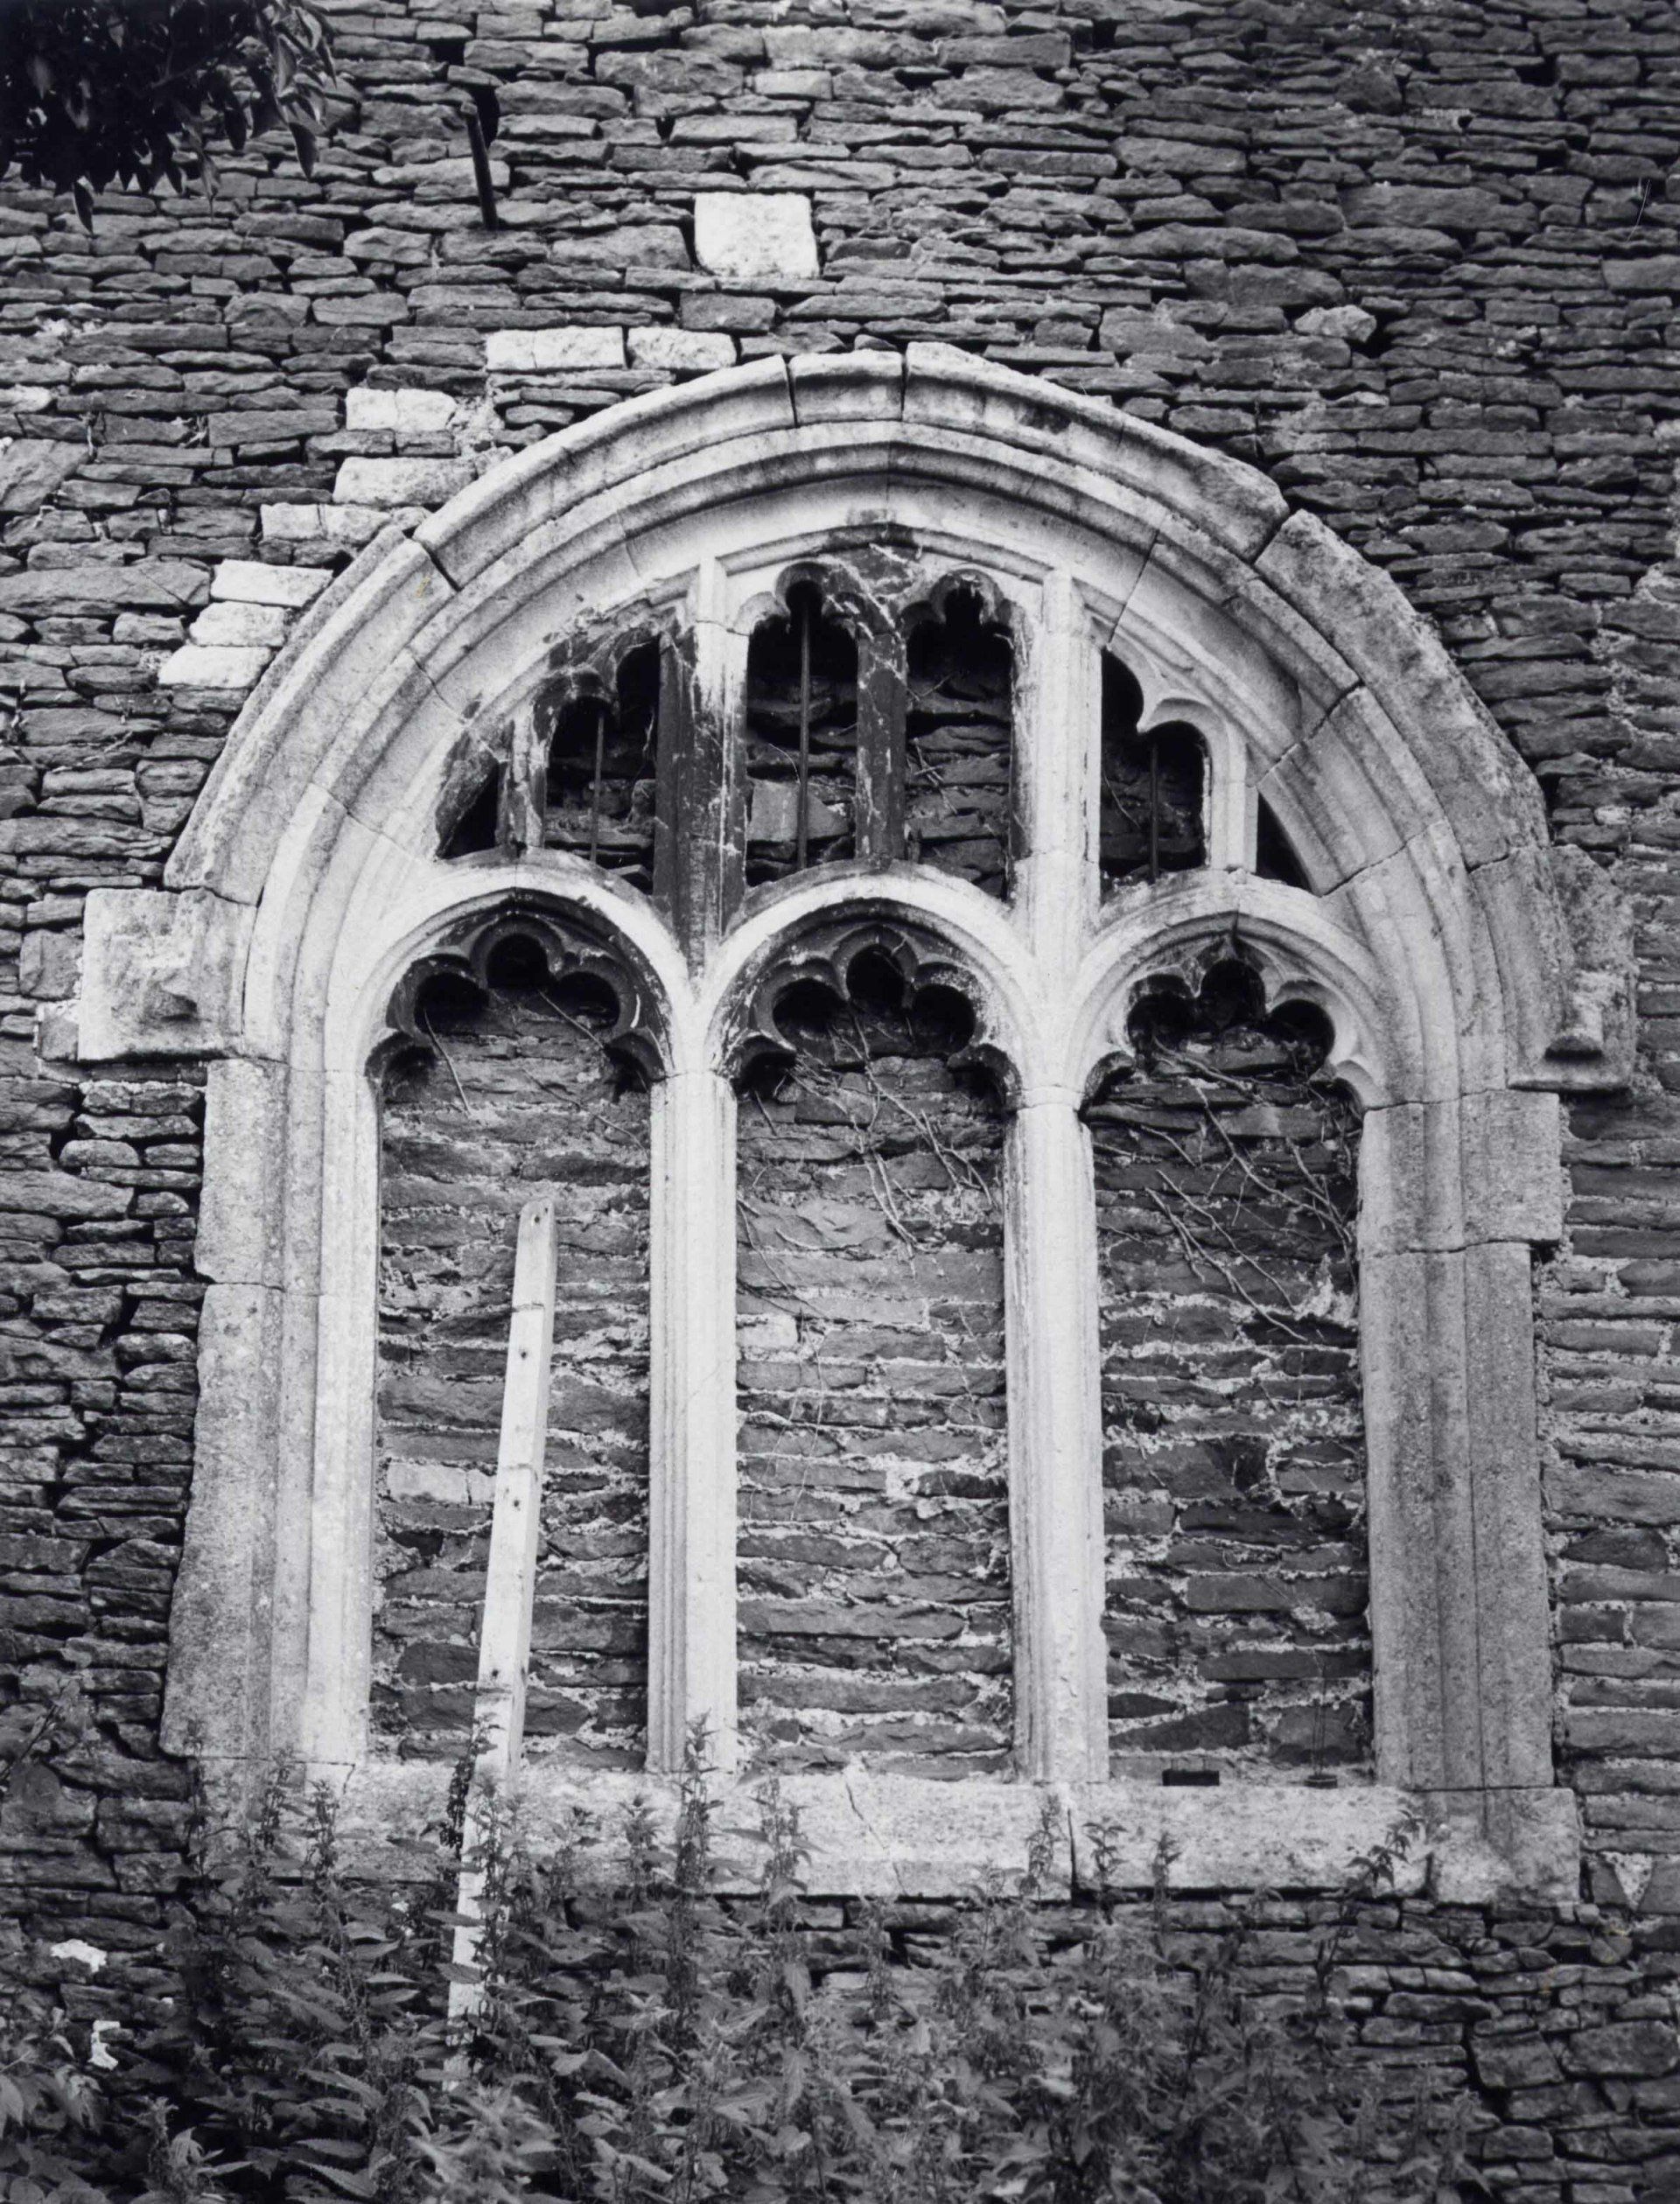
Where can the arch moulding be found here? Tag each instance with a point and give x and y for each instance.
(1472, 973)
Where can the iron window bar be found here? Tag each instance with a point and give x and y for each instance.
(602, 709)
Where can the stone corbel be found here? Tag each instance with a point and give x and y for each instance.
(1562, 940)
(162, 974)
(1593, 1044)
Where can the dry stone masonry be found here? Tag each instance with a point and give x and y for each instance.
(512, 1091)
(1233, 1467)
(874, 1541)
(1418, 266)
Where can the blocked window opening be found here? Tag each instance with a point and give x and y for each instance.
(959, 743)
(511, 1092)
(1234, 1460)
(1274, 855)
(477, 823)
(601, 754)
(801, 740)
(1152, 817)
(873, 1559)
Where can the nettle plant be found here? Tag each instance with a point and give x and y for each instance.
(637, 2035)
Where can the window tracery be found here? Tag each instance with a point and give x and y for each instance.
(1081, 535)
(1154, 788)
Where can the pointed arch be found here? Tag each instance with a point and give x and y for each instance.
(1471, 971)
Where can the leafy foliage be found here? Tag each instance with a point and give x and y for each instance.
(97, 92)
(635, 2035)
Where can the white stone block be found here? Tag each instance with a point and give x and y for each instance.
(752, 234)
(409, 413)
(244, 581)
(259, 626)
(528, 352)
(211, 666)
(701, 348)
(389, 482)
(347, 524)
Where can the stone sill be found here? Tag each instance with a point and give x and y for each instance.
(878, 1835)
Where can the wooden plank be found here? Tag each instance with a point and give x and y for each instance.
(510, 1584)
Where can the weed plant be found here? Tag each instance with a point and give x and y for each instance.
(633, 2035)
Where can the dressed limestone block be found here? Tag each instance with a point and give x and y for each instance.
(1563, 940)
(516, 498)
(1514, 1675)
(1478, 781)
(953, 390)
(161, 974)
(749, 235)
(1185, 633)
(347, 656)
(1239, 1836)
(1520, 1843)
(216, 1699)
(241, 1211)
(858, 386)
(1347, 793)
(1485, 1166)
(1447, 1034)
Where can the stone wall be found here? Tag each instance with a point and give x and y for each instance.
(1234, 1462)
(514, 1094)
(1422, 266)
(874, 1519)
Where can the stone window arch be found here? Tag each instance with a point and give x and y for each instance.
(1367, 847)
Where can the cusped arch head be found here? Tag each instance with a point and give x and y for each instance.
(565, 941)
(1292, 962)
(1260, 997)
(1186, 563)
(830, 947)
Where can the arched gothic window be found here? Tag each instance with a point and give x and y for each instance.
(1037, 1001)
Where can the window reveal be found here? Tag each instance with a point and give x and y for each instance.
(1234, 1473)
(874, 1577)
(511, 1089)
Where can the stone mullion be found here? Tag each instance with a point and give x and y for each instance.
(698, 855)
(881, 705)
(521, 822)
(1055, 1419)
(1057, 743)
(1055, 1444)
(1229, 806)
(692, 1538)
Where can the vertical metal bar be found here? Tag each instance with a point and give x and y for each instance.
(1154, 807)
(601, 711)
(802, 841)
(510, 1583)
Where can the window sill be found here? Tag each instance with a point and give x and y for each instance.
(875, 1835)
